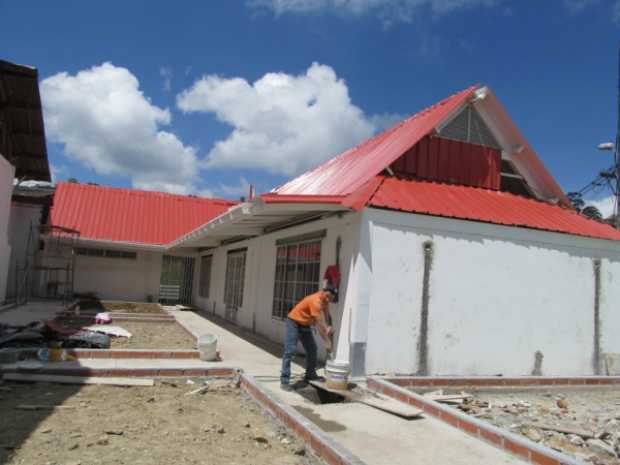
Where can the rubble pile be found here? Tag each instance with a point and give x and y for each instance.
(582, 423)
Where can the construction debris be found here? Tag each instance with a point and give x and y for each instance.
(115, 331)
(584, 423)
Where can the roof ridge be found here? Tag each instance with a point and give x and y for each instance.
(144, 192)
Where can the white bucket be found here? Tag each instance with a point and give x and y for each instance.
(207, 346)
(337, 374)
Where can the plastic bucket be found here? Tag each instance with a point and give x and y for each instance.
(337, 375)
(207, 346)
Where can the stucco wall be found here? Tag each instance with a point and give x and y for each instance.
(7, 172)
(119, 279)
(497, 296)
(256, 312)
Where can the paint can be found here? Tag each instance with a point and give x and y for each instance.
(207, 346)
(337, 374)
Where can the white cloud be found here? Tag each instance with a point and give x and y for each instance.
(235, 190)
(58, 171)
(166, 73)
(105, 121)
(389, 10)
(281, 123)
(604, 205)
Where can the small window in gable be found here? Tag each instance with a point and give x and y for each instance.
(513, 182)
(468, 126)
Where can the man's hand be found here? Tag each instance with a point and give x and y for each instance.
(330, 330)
(329, 348)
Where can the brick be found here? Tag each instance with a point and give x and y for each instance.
(517, 449)
(432, 410)
(469, 427)
(450, 419)
(490, 436)
(543, 459)
(332, 457)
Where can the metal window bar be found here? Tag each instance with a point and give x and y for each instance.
(297, 274)
(206, 263)
(235, 276)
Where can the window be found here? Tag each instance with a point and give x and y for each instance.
(298, 265)
(205, 275)
(106, 253)
(235, 273)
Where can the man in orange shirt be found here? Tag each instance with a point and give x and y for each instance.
(311, 311)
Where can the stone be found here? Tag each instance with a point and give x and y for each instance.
(562, 403)
(532, 434)
(601, 447)
(301, 450)
(46, 430)
(576, 440)
(74, 446)
(261, 439)
(114, 432)
(103, 441)
(285, 441)
(75, 436)
(247, 425)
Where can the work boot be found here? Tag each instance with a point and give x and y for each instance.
(286, 387)
(314, 377)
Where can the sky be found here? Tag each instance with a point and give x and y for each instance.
(207, 97)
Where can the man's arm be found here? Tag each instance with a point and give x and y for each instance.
(325, 331)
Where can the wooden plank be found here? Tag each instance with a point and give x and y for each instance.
(113, 381)
(559, 429)
(378, 401)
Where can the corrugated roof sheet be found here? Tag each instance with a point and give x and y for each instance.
(476, 204)
(127, 215)
(353, 168)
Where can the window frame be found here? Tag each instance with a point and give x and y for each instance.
(290, 265)
(234, 280)
(204, 280)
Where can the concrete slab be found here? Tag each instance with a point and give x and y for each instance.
(379, 438)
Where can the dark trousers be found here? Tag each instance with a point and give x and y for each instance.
(296, 332)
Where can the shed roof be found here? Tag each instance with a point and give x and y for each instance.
(111, 214)
(476, 204)
(22, 135)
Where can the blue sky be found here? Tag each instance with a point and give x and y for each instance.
(195, 79)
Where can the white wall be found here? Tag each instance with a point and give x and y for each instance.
(7, 174)
(256, 312)
(497, 295)
(119, 279)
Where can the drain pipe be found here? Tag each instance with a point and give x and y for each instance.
(596, 355)
(423, 368)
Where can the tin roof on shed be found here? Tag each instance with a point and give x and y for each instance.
(130, 216)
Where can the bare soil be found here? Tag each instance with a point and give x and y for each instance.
(534, 413)
(122, 307)
(143, 335)
(140, 425)
(153, 336)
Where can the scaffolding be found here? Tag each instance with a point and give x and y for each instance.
(48, 270)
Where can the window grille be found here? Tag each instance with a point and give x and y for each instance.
(297, 274)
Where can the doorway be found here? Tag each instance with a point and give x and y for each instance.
(177, 277)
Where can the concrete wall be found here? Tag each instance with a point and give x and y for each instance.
(119, 279)
(256, 312)
(23, 215)
(7, 173)
(497, 295)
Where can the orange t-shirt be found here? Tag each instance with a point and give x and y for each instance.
(308, 310)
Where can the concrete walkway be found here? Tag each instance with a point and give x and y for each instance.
(375, 437)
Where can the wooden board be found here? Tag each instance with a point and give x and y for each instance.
(378, 401)
(78, 379)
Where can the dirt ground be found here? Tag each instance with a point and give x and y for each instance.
(140, 425)
(144, 335)
(592, 413)
(121, 307)
(153, 336)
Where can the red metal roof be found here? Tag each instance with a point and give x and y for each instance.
(127, 215)
(476, 204)
(352, 169)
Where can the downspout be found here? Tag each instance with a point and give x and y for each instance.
(423, 366)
